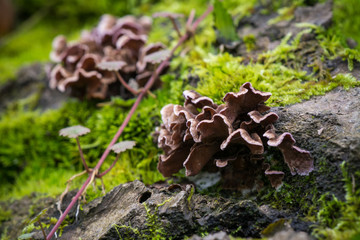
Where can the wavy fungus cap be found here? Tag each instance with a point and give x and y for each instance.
(230, 138)
(112, 40)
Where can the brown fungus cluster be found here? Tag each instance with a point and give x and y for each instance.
(230, 137)
(116, 48)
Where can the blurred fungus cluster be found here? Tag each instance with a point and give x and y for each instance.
(230, 138)
(111, 59)
(7, 16)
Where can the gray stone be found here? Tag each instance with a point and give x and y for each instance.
(31, 82)
(290, 234)
(134, 211)
(215, 236)
(257, 24)
(329, 127)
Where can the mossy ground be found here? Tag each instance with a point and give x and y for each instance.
(35, 158)
(340, 219)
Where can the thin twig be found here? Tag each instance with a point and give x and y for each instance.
(92, 177)
(148, 92)
(42, 229)
(127, 86)
(82, 155)
(175, 27)
(102, 186)
(67, 189)
(190, 19)
(124, 124)
(100, 175)
(202, 17)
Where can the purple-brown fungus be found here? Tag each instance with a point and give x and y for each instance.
(82, 67)
(230, 138)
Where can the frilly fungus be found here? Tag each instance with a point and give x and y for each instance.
(80, 65)
(230, 137)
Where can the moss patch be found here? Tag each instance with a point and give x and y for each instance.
(155, 229)
(340, 219)
(41, 161)
(346, 19)
(224, 73)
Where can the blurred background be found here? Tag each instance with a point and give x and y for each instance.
(27, 27)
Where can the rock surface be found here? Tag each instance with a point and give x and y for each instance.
(20, 211)
(31, 86)
(134, 211)
(259, 24)
(329, 127)
(215, 236)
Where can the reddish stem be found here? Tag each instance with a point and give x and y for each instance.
(175, 27)
(82, 155)
(124, 124)
(133, 91)
(207, 12)
(100, 175)
(190, 19)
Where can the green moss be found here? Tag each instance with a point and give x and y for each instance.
(35, 158)
(335, 219)
(4, 235)
(298, 194)
(224, 73)
(4, 214)
(292, 195)
(154, 230)
(340, 219)
(346, 19)
(250, 42)
(29, 45)
(351, 55)
(285, 13)
(274, 227)
(192, 191)
(240, 8)
(280, 71)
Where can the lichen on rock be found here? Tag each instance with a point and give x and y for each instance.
(230, 137)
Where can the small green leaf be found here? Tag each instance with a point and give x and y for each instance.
(74, 131)
(224, 22)
(123, 146)
(273, 228)
(350, 64)
(26, 236)
(37, 218)
(53, 220)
